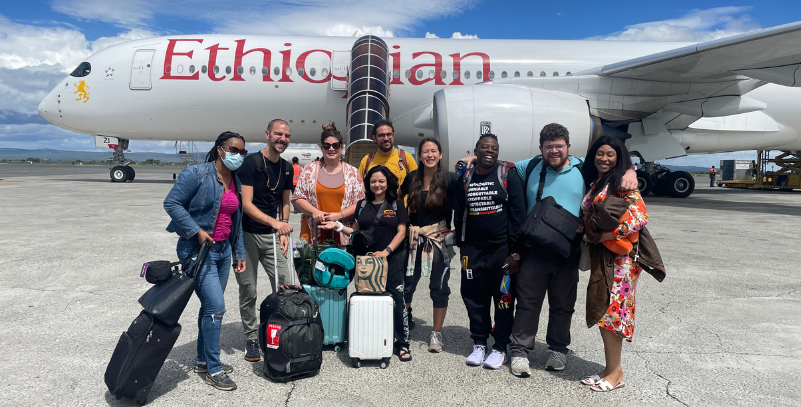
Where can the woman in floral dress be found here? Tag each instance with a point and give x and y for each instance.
(613, 251)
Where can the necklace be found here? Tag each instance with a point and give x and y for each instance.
(280, 170)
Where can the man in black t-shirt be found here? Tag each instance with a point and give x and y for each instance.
(488, 216)
(266, 184)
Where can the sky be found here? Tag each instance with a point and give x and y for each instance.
(42, 41)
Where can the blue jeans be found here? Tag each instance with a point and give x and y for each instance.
(210, 289)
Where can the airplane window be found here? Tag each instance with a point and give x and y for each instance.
(276, 71)
(530, 74)
(419, 74)
(301, 71)
(228, 70)
(517, 74)
(503, 74)
(408, 74)
(216, 69)
(478, 75)
(191, 69)
(431, 74)
(203, 69)
(240, 69)
(288, 71)
(455, 74)
(82, 70)
(568, 73)
(491, 75)
(555, 73)
(542, 73)
(312, 72)
(265, 71)
(467, 74)
(325, 72)
(180, 69)
(252, 70)
(396, 73)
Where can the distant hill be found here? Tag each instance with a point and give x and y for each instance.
(14, 154)
(687, 168)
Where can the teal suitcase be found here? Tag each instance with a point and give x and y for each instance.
(333, 304)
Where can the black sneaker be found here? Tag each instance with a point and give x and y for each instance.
(252, 351)
(221, 381)
(412, 324)
(201, 368)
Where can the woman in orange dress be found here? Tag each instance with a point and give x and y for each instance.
(326, 187)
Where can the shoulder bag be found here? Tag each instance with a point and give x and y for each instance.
(362, 240)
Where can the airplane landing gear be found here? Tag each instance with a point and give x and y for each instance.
(122, 172)
(656, 179)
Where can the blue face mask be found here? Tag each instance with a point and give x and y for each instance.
(233, 161)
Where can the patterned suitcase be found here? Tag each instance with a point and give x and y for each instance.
(333, 303)
(370, 333)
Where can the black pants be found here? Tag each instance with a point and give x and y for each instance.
(438, 285)
(711, 181)
(481, 288)
(395, 279)
(539, 274)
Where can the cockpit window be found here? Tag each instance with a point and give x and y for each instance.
(82, 70)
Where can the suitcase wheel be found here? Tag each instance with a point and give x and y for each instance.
(356, 363)
(384, 363)
(337, 348)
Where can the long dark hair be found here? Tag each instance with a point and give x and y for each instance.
(392, 184)
(613, 176)
(437, 191)
(221, 139)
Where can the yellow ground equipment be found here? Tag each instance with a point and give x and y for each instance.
(784, 172)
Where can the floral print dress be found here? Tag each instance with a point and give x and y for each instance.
(619, 317)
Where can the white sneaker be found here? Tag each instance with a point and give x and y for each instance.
(477, 357)
(495, 360)
(556, 361)
(435, 344)
(520, 367)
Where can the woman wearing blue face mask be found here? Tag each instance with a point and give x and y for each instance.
(204, 206)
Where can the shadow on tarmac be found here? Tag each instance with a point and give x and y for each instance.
(714, 200)
(106, 181)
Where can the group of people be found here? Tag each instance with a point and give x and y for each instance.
(240, 203)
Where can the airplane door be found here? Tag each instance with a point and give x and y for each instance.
(340, 60)
(140, 69)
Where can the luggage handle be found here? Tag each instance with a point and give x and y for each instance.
(275, 263)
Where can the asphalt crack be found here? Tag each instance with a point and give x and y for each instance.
(289, 395)
(668, 381)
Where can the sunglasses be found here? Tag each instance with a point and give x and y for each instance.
(328, 146)
(233, 150)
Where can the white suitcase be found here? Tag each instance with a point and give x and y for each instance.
(370, 333)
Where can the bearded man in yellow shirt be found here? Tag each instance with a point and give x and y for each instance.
(398, 161)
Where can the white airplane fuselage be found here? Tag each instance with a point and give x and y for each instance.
(257, 78)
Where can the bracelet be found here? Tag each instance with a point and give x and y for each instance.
(339, 227)
(389, 250)
(284, 220)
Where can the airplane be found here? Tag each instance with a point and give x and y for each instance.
(305, 155)
(664, 99)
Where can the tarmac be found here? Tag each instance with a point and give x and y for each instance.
(724, 327)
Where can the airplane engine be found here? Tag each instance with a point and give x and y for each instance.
(516, 114)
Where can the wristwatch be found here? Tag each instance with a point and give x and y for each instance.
(389, 250)
(515, 256)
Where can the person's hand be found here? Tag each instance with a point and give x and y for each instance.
(202, 236)
(319, 216)
(283, 228)
(284, 244)
(467, 160)
(629, 181)
(240, 266)
(382, 253)
(333, 217)
(514, 265)
(327, 225)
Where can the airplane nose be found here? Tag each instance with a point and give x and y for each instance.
(43, 110)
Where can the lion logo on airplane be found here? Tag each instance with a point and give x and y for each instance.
(82, 92)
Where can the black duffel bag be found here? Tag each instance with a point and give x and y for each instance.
(549, 227)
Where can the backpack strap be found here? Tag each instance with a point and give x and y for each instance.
(465, 182)
(503, 175)
(364, 202)
(402, 161)
(369, 161)
(530, 167)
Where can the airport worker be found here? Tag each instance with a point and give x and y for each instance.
(295, 173)
(429, 192)
(204, 205)
(266, 184)
(712, 173)
(381, 187)
(490, 210)
(540, 273)
(613, 279)
(325, 187)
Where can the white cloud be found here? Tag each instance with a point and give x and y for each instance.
(126, 13)
(431, 35)
(695, 26)
(457, 35)
(347, 30)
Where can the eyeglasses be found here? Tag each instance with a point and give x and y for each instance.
(328, 146)
(234, 150)
(385, 135)
(554, 147)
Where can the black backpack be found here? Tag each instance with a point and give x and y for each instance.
(290, 334)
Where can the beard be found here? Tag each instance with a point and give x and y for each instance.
(559, 164)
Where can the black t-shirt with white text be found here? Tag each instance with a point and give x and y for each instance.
(268, 185)
(388, 225)
(486, 212)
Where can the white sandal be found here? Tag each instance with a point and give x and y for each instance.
(591, 380)
(605, 386)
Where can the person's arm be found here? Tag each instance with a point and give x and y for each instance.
(303, 191)
(629, 181)
(182, 192)
(337, 227)
(468, 160)
(458, 211)
(635, 218)
(250, 209)
(396, 241)
(516, 217)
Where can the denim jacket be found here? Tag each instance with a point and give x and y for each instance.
(194, 203)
